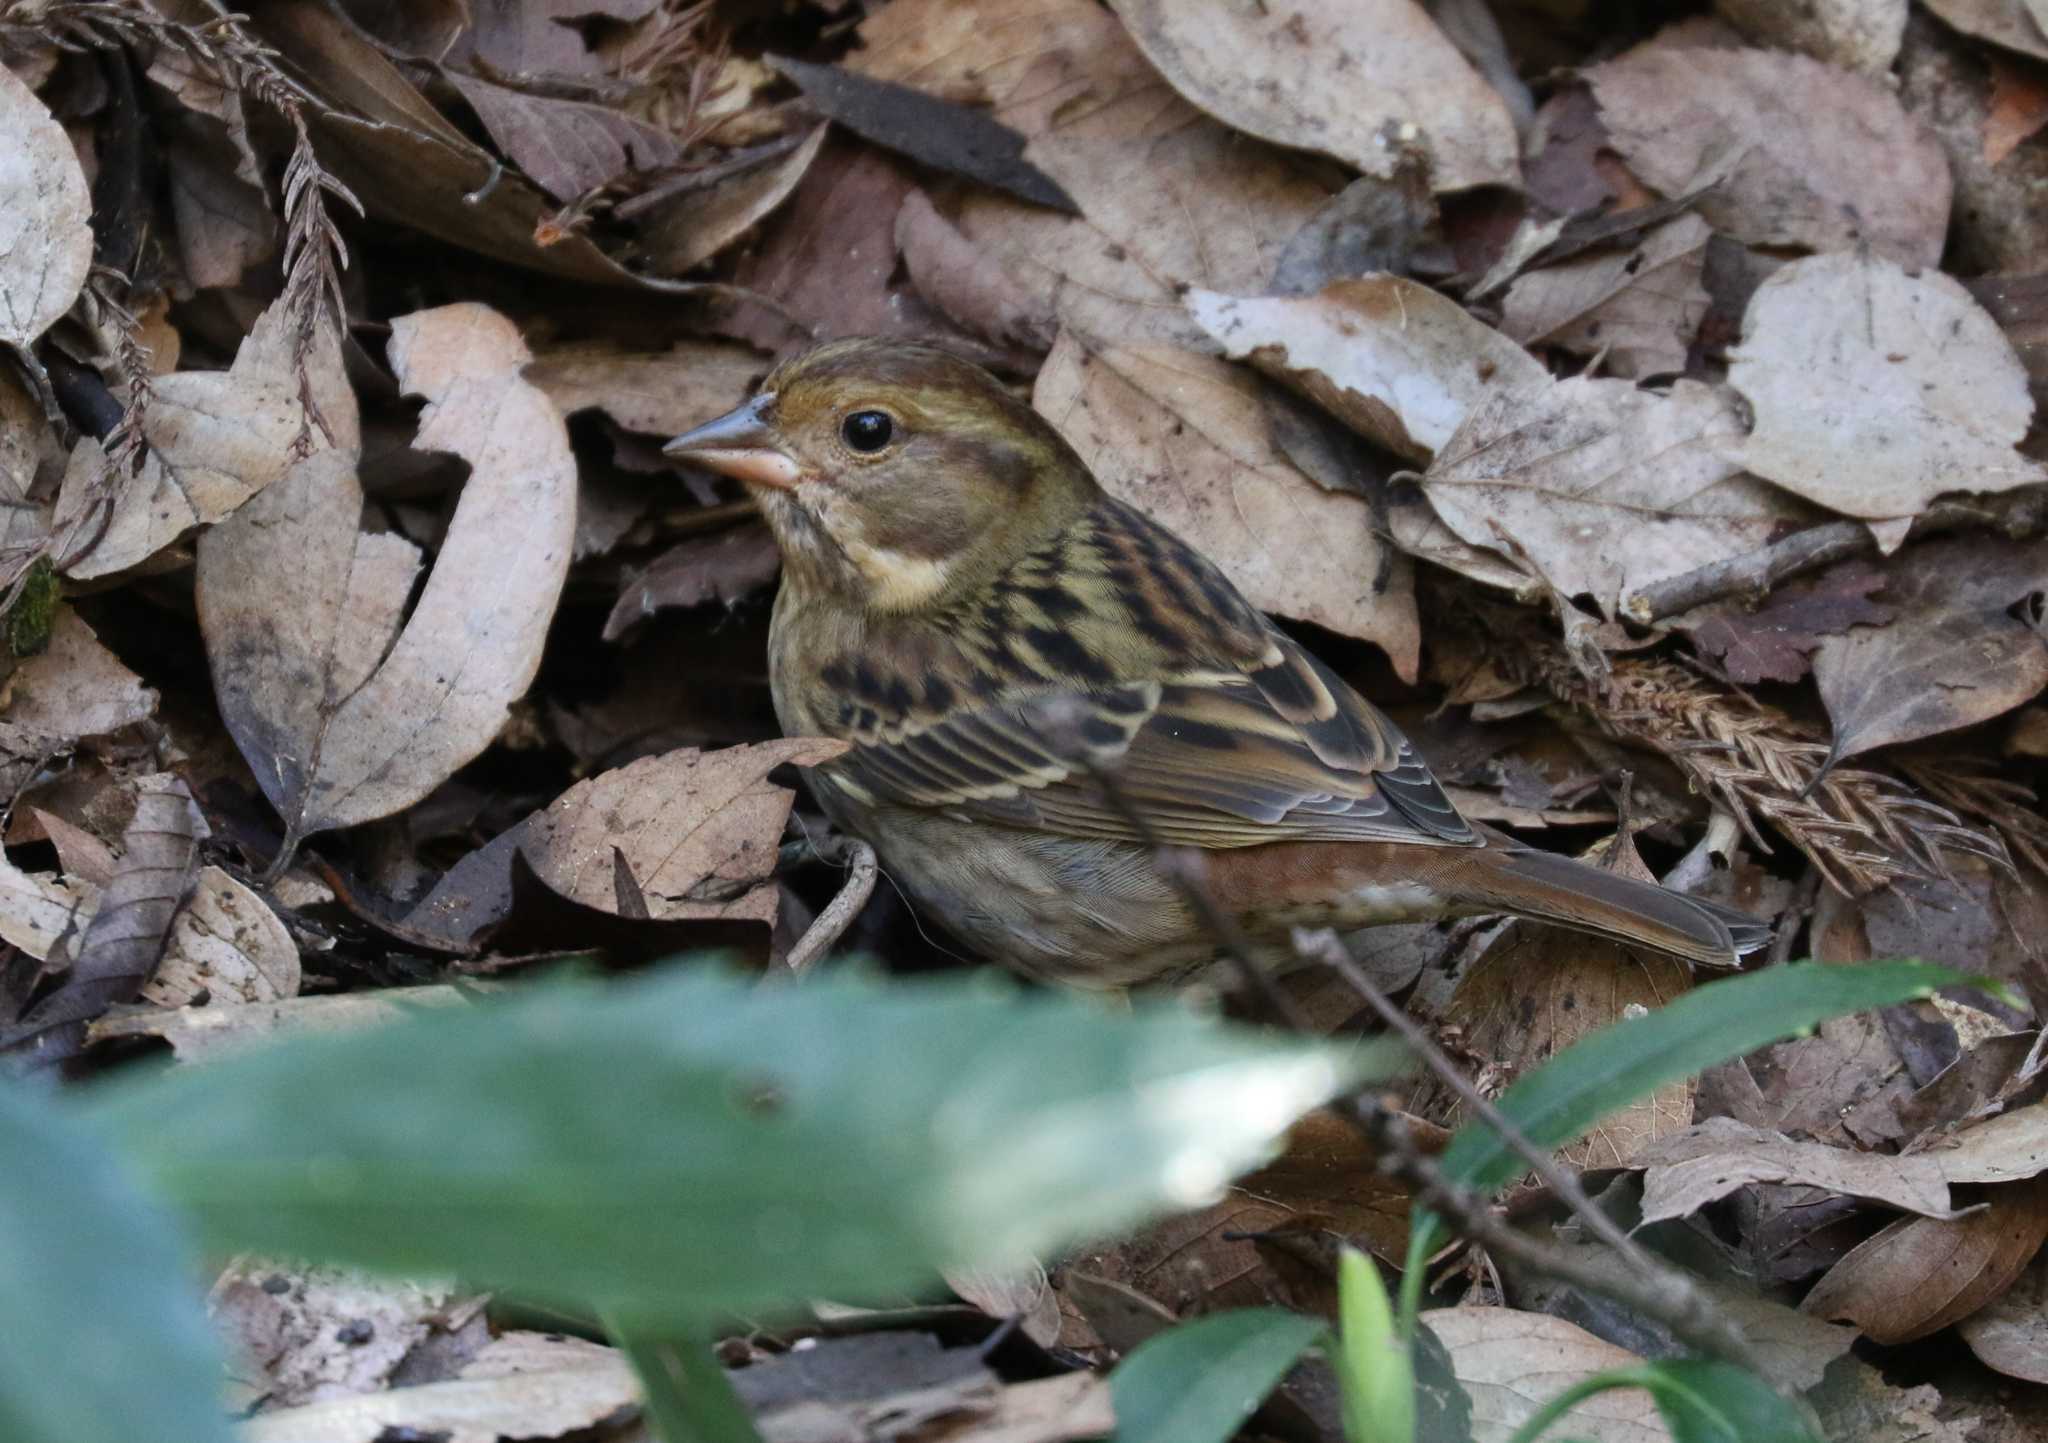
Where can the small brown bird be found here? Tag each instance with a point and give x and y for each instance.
(992, 631)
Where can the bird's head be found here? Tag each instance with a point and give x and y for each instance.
(893, 475)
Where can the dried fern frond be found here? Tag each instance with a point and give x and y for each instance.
(1860, 828)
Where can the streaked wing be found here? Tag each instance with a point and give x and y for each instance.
(1280, 751)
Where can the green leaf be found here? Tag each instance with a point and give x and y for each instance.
(99, 1306)
(1608, 1069)
(685, 1391)
(686, 1145)
(1700, 1401)
(1197, 1383)
(1372, 1362)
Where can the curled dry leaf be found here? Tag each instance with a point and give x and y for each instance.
(1597, 487)
(697, 831)
(1512, 1363)
(1920, 1275)
(1875, 391)
(567, 147)
(687, 231)
(1827, 159)
(1184, 438)
(124, 939)
(2011, 1334)
(960, 279)
(1169, 198)
(1396, 361)
(1707, 1162)
(341, 723)
(1952, 656)
(1642, 306)
(227, 948)
(1347, 80)
(721, 567)
(216, 438)
(45, 238)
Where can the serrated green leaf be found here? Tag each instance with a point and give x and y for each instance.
(1197, 1383)
(687, 1145)
(99, 1301)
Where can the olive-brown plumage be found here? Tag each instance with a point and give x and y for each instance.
(988, 627)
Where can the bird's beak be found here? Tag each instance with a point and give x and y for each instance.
(740, 444)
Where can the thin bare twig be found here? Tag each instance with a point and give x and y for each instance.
(839, 913)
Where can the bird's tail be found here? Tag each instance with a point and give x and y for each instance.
(1551, 888)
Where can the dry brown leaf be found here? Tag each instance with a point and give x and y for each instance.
(1184, 438)
(1537, 989)
(227, 949)
(2011, 1334)
(1169, 198)
(1512, 1363)
(567, 147)
(721, 567)
(1641, 306)
(1775, 640)
(2002, 22)
(1350, 81)
(964, 281)
(45, 240)
(75, 687)
(698, 832)
(216, 438)
(1920, 1275)
(1396, 361)
(120, 946)
(1827, 159)
(328, 755)
(1855, 1402)
(2019, 108)
(1951, 657)
(657, 393)
(689, 230)
(1855, 34)
(1709, 1161)
(1999, 223)
(1597, 487)
(1875, 391)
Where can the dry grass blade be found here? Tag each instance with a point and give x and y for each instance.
(1860, 828)
(1969, 787)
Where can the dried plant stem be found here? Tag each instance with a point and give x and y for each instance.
(839, 913)
(1860, 828)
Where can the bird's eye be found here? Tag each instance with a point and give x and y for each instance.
(867, 430)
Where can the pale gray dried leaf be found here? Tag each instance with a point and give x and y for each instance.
(1951, 658)
(121, 945)
(1597, 487)
(1859, 35)
(657, 393)
(339, 723)
(216, 438)
(75, 687)
(1642, 306)
(1875, 391)
(1348, 80)
(1396, 361)
(1826, 159)
(2002, 22)
(227, 949)
(1169, 198)
(1185, 439)
(567, 147)
(197, 1033)
(45, 210)
(697, 831)
(1512, 1363)
(2011, 1335)
(40, 909)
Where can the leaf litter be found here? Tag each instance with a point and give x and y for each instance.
(359, 646)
